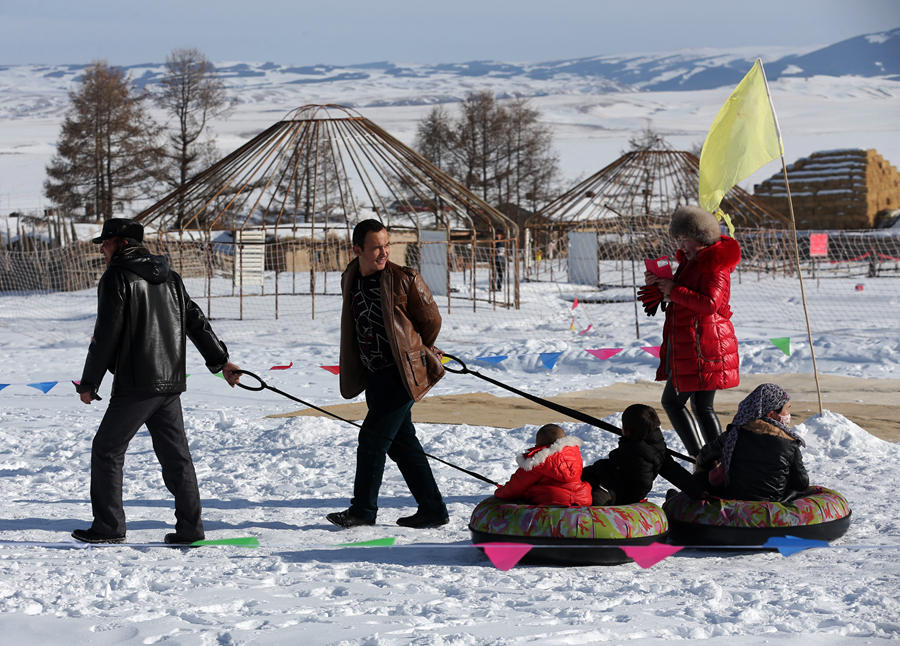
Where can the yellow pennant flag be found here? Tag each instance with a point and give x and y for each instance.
(744, 137)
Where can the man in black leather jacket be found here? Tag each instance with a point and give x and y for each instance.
(144, 316)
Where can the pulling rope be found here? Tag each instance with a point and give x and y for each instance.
(559, 408)
(264, 386)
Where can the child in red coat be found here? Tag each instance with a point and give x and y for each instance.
(549, 473)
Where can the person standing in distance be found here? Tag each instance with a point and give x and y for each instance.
(389, 324)
(499, 261)
(144, 315)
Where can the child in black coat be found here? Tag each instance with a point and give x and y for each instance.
(627, 475)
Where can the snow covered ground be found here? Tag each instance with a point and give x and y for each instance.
(276, 478)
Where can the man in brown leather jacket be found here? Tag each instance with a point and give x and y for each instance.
(389, 324)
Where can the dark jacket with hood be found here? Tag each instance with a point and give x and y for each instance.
(630, 470)
(766, 464)
(144, 315)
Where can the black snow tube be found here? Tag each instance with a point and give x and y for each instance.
(569, 535)
(818, 513)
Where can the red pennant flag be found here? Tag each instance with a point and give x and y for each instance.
(587, 329)
(575, 304)
(653, 349)
(605, 353)
(649, 555)
(504, 556)
(332, 369)
(282, 367)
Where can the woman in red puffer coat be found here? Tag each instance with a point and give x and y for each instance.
(549, 473)
(699, 352)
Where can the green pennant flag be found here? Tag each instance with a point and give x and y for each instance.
(782, 343)
(378, 542)
(243, 541)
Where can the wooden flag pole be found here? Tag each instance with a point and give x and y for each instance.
(787, 186)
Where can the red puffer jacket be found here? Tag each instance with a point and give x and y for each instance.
(699, 349)
(549, 475)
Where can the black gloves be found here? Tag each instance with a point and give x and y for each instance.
(651, 297)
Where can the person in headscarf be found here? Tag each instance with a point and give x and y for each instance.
(758, 457)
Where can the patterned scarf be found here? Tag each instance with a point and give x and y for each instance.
(756, 405)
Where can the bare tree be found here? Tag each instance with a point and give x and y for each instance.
(499, 150)
(191, 95)
(647, 139)
(435, 137)
(106, 154)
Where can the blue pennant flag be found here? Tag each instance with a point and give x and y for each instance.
(493, 359)
(2, 386)
(788, 545)
(549, 359)
(44, 386)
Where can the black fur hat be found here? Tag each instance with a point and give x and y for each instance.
(694, 222)
(121, 228)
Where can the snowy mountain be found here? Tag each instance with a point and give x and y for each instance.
(845, 95)
(31, 89)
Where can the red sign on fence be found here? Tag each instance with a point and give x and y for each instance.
(818, 244)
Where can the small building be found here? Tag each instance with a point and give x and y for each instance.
(835, 189)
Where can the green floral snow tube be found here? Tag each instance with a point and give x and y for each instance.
(818, 513)
(572, 535)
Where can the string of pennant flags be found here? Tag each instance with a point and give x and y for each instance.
(782, 343)
(547, 359)
(505, 556)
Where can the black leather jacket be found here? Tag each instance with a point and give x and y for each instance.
(143, 317)
(766, 464)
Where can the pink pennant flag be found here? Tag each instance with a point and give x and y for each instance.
(504, 556)
(587, 329)
(332, 369)
(605, 353)
(575, 303)
(282, 367)
(649, 555)
(652, 349)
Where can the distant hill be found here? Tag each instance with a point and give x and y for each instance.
(41, 89)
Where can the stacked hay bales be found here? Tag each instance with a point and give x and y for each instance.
(835, 189)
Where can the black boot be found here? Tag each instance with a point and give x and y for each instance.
(710, 427)
(684, 424)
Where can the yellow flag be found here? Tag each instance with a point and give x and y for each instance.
(744, 137)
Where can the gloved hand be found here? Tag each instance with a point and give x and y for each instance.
(650, 296)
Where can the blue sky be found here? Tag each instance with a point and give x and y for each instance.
(125, 32)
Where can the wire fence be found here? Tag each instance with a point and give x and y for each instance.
(848, 276)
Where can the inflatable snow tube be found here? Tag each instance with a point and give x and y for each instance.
(817, 513)
(573, 535)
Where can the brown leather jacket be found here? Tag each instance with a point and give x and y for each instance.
(412, 322)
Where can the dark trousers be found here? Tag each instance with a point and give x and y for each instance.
(694, 431)
(388, 431)
(124, 416)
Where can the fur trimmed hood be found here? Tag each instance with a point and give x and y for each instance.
(763, 427)
(724, 253)
(539, 454)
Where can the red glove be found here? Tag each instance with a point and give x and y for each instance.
(650, 297)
